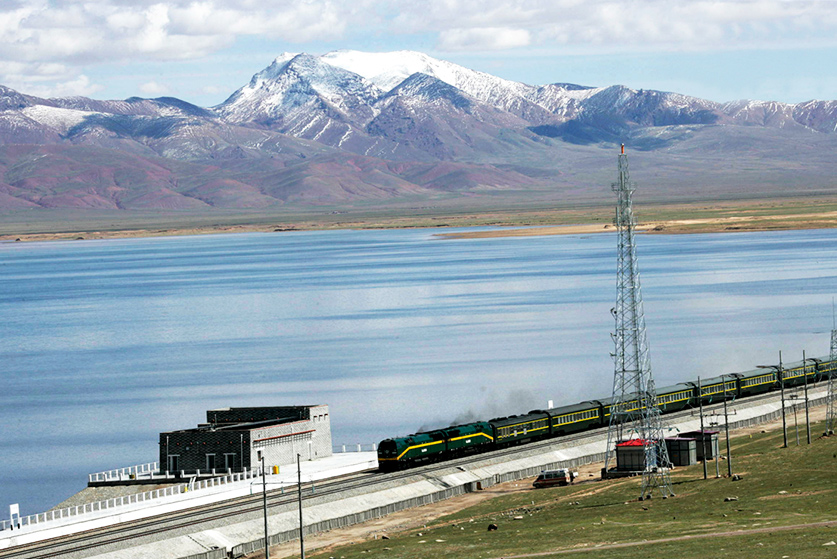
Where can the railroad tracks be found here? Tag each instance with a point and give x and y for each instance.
(164, 526)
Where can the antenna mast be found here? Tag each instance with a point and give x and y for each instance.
(831, 397)
(632, 380)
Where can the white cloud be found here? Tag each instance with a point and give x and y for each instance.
(153, 89)
(41, 86)
(483, 38)
(113, 30)
(596, 25)
(79, 35)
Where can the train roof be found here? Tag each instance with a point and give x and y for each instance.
(609, 401)
(716, 380)
(571, 408)
(515, 419)
(757, 373)
(674, 388)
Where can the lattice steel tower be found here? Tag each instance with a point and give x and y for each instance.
(632, 380)
(831, 397)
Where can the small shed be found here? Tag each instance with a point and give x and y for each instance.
(707, 440)
(630, 456)
(682, 451)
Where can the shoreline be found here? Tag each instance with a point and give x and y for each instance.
(718, 220)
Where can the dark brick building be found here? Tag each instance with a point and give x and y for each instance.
(231, 437)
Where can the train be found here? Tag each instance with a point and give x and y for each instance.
(482, 436)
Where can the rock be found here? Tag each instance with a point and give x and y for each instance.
(730, 499)
(492, 528)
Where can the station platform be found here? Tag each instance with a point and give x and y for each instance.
(91, 515)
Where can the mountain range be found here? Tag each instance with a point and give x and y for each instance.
(349, 128)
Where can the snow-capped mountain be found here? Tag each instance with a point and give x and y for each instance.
(350, 125)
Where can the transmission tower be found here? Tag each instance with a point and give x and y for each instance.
(831, 398)
(632, 380)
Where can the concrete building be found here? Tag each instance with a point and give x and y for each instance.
(231, 438)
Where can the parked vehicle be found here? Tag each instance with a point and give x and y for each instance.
(551, 478)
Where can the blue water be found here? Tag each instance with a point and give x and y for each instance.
(107, 343)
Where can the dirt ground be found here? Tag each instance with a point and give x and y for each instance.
(677, 226)
(421, 516)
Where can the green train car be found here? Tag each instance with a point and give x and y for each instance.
(394, 454)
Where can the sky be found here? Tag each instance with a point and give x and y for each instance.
(201, 51)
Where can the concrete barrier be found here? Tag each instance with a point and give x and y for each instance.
(220, 553)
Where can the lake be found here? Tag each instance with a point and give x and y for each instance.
(107, 343)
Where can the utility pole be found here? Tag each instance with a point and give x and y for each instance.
(726, 427)
(299, 480)
(702, 432)
(780, 376)
(632, 378)
(831, 397)
(805, 371)
(264, 506)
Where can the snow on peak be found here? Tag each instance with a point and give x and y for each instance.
(388, 69)
(284, 57)
(57, 118)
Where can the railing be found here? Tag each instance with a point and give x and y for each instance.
(151, 472)
(132, 472)
(341, 448)
(103, 508)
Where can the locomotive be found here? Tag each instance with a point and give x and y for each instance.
(481, 436)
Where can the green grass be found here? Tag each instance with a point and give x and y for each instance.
(588, 516)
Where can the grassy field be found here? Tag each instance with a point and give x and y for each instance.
(785, 507)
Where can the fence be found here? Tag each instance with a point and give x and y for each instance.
(131, 472)
(98, 509)
(150, 471)
(341, 448)
(220, 553)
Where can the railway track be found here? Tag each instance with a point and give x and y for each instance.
(165, 526)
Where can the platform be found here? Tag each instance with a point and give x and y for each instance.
(60, 522)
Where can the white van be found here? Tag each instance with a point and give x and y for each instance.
(549, 478)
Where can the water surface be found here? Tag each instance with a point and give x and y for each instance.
(107, 343)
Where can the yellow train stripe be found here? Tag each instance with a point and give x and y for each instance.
(489, 437)
(413, 447)
(521, 433)
(409, 448)
(524, 423)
